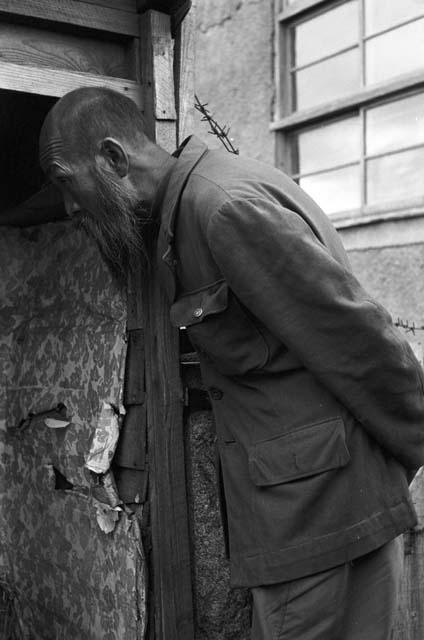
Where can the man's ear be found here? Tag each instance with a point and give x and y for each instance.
(114, 156)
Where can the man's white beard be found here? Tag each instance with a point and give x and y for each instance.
(116, 228)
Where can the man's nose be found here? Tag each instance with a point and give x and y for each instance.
(71, 206)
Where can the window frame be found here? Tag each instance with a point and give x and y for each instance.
(286, 121)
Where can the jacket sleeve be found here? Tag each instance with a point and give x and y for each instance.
(285, 276)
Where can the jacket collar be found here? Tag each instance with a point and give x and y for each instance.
(165, 208)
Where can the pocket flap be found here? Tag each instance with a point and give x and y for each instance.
(195, 307)
(304, 452)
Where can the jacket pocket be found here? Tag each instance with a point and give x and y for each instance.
(195, 307)
(298, 454)
(221, 329)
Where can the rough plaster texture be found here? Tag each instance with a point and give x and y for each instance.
(394, 276)
(234, 72)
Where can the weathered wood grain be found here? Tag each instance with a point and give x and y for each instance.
(185, 46)
(74, 12)
(131, 450)
(22, 44)
(173, 607)
(166, 134)
(170, 534)
(157, 66)
(121, 5)
(134, 373)
(410, 618)
(53, 82)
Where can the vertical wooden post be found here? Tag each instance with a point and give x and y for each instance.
(171, 569)
(157, 56)
(410, 619)
(184, 69)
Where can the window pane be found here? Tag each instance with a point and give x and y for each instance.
(327, 80)
(395, 52)
(394, 177)
(327, 33)
(334, 191)
(395, 125)
(394, 12)
(329, 145)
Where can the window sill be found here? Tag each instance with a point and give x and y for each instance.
(378, 218)
(386, 229)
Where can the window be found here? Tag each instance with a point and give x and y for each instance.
(351, 127)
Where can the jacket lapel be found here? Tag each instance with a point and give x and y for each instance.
(188, 155)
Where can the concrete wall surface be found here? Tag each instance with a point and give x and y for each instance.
(234, 72)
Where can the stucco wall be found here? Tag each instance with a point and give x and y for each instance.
(393, 275)
(234, 72)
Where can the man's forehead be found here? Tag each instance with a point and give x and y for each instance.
(53, 148)
(51, 154)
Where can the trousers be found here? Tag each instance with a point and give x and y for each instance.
(353, 601)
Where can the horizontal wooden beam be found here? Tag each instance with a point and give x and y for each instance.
(122, 5)
(359, 99)
(48, 48)
(74, 12)
(55, 82)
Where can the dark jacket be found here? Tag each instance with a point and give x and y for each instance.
(318, 399)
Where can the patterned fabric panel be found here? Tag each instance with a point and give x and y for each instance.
(62, 324)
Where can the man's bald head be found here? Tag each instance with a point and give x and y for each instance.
(84, 117)
(93, 146)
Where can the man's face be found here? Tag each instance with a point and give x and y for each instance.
(99, 201)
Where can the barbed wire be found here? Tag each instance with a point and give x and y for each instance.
(222, 133)
(410, 327)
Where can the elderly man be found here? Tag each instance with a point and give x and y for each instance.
(318, 400)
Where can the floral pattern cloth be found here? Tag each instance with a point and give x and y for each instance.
(62, 329)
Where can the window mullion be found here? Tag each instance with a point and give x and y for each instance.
(345, 188)
(362, 163)
(362, 52)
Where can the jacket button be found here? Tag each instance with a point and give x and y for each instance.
(215, 394)
(198, 312)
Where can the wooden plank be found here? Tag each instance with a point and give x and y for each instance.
(375, 92)
(121, 5)
(173, 606)
(157, 66)
(163, 72)
(131, 450)
(24, 44)
(74, 12)
(185, 47)
(53, 82)
(170, 534)
(131, 484)
(166, 134)
(410, 618)
(134, 371)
